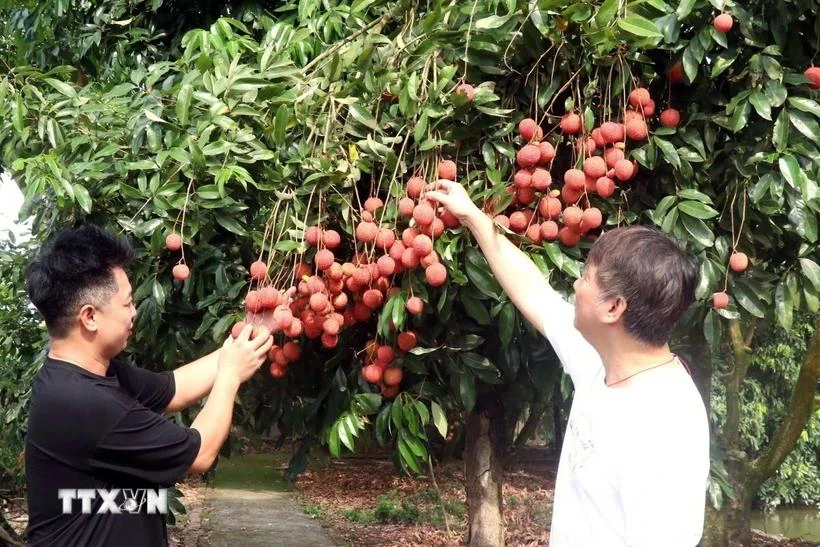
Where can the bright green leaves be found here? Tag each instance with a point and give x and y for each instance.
(406, 420)
(639, 26)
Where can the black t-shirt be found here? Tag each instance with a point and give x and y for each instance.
(87, 431)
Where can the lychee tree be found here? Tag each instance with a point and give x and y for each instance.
(271, 168)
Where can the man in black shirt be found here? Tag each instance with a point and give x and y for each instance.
(98, 451)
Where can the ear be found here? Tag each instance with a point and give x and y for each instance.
(88, 318)
(615, 309)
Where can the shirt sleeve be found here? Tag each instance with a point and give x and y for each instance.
(153, 389)
(663, 491)
(578, 358)
(146, 446)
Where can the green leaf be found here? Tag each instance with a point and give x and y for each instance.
(477, 362)
(491, 22)
(790, 170)
(639, 26)
(153, 117)
(740, 117)
(806, 105)
(280, 124)
(772, 67)
(439, 418)
(475, 308)
(344, 434)
(780, 135)
(506, 323)
(812, 272)
(804, 220)
(712, 329)
(722, 62)
(158, 293)
(416, 447)
(669, 152)
(333, 441)
(383, 424)
(82, 197)
(407, 455)
(230, 224)
(697, 209)
(699, 231)
(783, 306)
(216, 148)
(184, 103)
(688, 193)
(684, 9)
(606, 13)
(761, 104)
(478, 271)
(805, 124)
(747, 298)
(466, 389)
(62, 87)
(363, 117)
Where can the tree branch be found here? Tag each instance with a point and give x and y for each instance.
(750, 334)
(798, 412)
(740, 353)
(537, 407)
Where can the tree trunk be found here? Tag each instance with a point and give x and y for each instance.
(557, 428)
(537, 408)
(733, 526)
(698, 356)
(484, 475)
(8, 537)
(739, 509)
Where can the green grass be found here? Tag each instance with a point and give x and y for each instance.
(423, 507)
(315, 510)
(254, 472)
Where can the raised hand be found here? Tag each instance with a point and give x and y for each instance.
(241, 357)
(454, 198)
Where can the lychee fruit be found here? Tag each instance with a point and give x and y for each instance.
(436, 274)
(670, 117)
(738, 262)
(723, 23)
(181, 272)
(720, 300)
(447, 170)
(571, 124)
(173, 242)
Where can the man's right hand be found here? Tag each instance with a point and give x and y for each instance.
(241, 357)
(455, 199)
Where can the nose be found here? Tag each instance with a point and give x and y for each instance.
(575, 284)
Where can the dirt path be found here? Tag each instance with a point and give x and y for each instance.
(250, 505)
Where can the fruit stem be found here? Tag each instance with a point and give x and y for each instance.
(467, 40)
(182, 224)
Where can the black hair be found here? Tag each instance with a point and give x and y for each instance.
(75, 268)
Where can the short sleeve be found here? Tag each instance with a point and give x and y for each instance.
(153, 389)
(579, 359)
(145, 446)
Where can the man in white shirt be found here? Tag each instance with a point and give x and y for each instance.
(635, 459)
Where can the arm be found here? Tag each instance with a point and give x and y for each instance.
(526, 286)
(238, 360)
(193, 381)
(520, 278)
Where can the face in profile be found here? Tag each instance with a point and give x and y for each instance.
(114, 319)
(590, 309)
